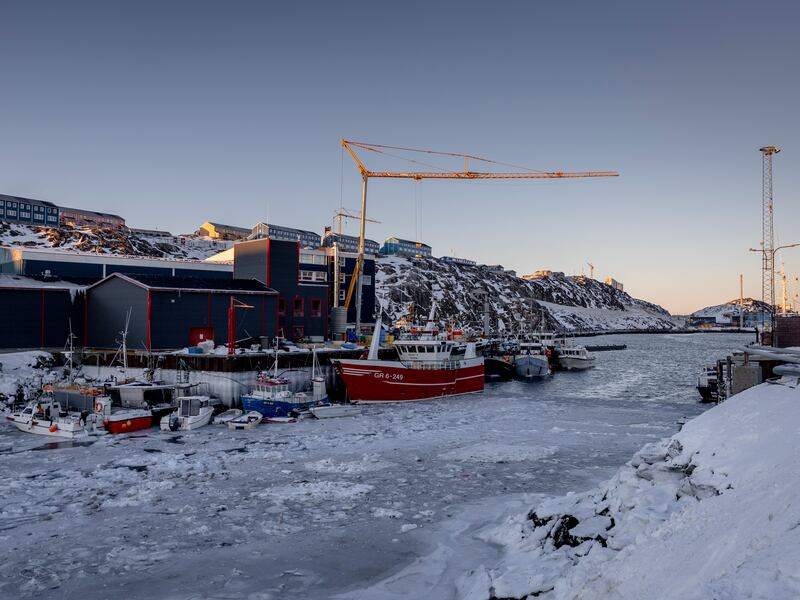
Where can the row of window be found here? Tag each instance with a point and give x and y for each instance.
(312, 258)
(26, 206)
(313, 276)
(298, 307)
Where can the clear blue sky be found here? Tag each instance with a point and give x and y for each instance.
(173, 113)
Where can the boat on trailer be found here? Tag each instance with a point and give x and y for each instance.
(425, 369)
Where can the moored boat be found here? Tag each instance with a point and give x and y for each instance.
(328, 411)
(192, 412)
(226, 416)
(708, 384)
(574, 358)
(246, 421)
(425, 369)
(272, 398)
(531, 361)
(45, 417)
(123, 420)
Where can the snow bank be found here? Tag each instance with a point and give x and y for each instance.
(712, 512)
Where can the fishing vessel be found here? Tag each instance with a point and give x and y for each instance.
(123, 420)
(708, 384)
(532, 360)
(192, 412)
(574, 358)
(272, 397)
(45, 417)
(425, 368)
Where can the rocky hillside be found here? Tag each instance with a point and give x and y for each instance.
(566, 303)
(723, 312)
(105, 241)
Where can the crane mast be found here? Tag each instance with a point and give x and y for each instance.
(349, 145)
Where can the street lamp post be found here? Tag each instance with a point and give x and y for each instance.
(772, 280)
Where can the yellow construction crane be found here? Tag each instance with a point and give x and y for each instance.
(349, 145)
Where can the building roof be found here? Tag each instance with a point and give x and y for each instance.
(230, 227)
(45, 202)
(401, 240)
(284, 227)
(195, 284)
(91, 212)
(344, 236)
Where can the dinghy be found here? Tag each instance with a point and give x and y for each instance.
(327, 411)
(246, 421)
(227, 416)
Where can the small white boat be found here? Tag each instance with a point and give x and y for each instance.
(280, 420)
(575, 358)
(227, 416)
(246, 421)
(45, 417)
(193, 412)
(327, 411)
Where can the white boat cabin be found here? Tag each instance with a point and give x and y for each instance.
(190, 406)
(428, 350)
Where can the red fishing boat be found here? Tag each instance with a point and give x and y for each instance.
(425, 368)
(122, 420)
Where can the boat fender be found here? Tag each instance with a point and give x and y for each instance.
(98, 407)
(105, 421)
(53, 428)
(174, 424)
(549, 353)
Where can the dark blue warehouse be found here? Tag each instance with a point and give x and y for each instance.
(175, 312)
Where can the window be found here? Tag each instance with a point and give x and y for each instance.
(342, 296)
(341, 261)
(320, 276)
(316, 307)
(342, 277)
(306, 275)
(298, 309)
(281, 307)
(366, 279)
(312, 258)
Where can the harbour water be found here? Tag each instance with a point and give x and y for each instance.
(328, 508)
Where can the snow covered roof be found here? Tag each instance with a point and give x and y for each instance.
(18, 282)
(205, 284)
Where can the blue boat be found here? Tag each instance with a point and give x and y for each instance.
(531, 362)
(272, 398)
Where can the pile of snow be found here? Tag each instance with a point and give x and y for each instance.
(712, 512)
(97, 240)
(22, 374)
(572, 304)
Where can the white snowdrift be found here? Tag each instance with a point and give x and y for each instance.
(713, 512)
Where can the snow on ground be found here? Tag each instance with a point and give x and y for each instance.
(390, 504)
(19, 372)
(711, 512)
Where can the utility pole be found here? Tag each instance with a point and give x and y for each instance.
(767, 235)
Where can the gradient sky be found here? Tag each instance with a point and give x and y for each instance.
(173, 113)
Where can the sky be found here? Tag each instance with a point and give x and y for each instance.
(174, 113)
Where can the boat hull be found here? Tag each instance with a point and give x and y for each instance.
(122, 423)
(273, 408)
(531, 366)
(62, 430)
(570, 363)
(392, 381)
(334, 410)
(497, 369)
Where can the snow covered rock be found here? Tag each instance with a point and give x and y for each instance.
(567, 303)
(712, 512)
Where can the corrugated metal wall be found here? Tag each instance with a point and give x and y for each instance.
(107, 305)
(39, 318)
